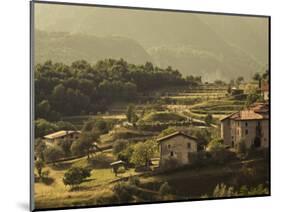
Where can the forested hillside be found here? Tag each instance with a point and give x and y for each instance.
(92, 88)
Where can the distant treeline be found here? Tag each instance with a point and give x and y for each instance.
(82, 88)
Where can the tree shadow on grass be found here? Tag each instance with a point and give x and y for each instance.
(79, 188)
(45, 180)
(89, 180)
(83, 187)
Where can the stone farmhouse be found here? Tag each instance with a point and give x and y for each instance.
(176, 148)
(63, 135)
(250, 125)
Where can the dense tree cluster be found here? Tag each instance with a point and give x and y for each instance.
(82, 88)
(75, 176)
(44, 127)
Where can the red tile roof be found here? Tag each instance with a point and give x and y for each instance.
(256, 111)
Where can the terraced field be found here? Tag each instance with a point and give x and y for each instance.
(198, 103)
(163, 117)
(217, 107)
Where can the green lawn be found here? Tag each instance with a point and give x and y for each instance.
(57, 194)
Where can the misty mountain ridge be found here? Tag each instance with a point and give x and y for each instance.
(68, 47)
(216, 47)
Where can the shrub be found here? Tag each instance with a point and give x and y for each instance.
(126, 154)
(215, 145)
(203, 136)
(75, 176)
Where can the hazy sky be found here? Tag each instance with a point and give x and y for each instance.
(169, 34)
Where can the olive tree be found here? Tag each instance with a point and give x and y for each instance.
(75, 176)
(143, 152)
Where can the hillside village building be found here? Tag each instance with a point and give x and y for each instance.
(63, 135)
(176, 147)
(250, 125)
(265, 91)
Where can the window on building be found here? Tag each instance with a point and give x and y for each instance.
(169, 146)
(246, 132)
(188, 145)
(172, 154)
(246, 124)
(259, 123)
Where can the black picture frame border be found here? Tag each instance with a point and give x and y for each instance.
(31, 107)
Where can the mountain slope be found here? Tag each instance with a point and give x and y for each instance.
(191, 43)
(66, 48)
(248, 33)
